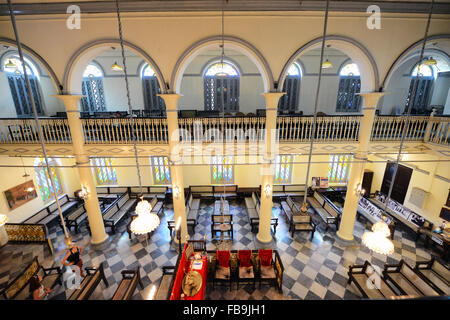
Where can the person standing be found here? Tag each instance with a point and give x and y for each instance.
(72, 258)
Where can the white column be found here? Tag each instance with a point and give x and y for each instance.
(347, 224)
(95, 217)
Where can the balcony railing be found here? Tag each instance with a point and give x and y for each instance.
(119, 131)
(390, 128)
(290, 129)
(440, 130)
(24, 131)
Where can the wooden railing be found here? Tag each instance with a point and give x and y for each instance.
(222, 129)
(439, 130)
(290, 129)
(300, 129)
(390, 128)
(55, 130)
(116, 131)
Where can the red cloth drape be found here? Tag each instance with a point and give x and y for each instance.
(223, 257)
(265, 256)
(244, 257)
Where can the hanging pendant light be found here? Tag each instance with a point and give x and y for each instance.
(10, 64)
(377, 239)
(116, 67)
(430, 62)
(327, 64)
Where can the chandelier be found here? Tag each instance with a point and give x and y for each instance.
(377, 239)
(146, 221)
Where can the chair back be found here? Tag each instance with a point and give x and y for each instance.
(223, 257)
(244, 257)
(265, 256)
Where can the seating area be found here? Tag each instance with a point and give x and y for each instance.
(282, 191)
(127, 286)
(214, 192)
(252, 205)
(89, 283)
(118, 210)
(49, 214)
(18, 289)
(298, 221)
(325, 209)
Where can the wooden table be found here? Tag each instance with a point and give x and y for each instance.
(438, 240)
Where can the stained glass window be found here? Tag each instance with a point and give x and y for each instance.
(222, 169)
(338, 168)
(349, 85)
(154, 105)
(12, 66)
(283, 169)
(161, 170)
(92, 88)
(43, 178)
(221, 82)
(104, 171)
(291, 86)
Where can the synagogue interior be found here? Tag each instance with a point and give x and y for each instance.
(224, 150)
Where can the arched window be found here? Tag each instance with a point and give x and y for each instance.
(425, 78)
(339, 168)
(161, 170)
(92, 88)
(12, 66)
(218, 76)
(43, 178)
(289, 101)
(283, 169)
(222, 169)
(104, 171)
(154, 105)
(349, 85)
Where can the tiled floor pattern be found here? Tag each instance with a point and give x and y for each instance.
(314, 269)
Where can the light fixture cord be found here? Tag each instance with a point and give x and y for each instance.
(411, 102)
(133, 132)
(322, 49)
(36, 118)
(223, 103)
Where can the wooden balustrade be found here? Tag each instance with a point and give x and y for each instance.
(24, 131)
(116, 131)
(390, 128)
(290, 129)
(440, 130)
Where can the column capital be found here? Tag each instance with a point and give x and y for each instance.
(171, 100)
(371, 98)
(70, 101)
(272, 98)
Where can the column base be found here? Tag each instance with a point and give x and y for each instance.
(345, 242)
(100, 245)
(260, 244)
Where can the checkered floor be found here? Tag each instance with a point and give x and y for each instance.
(314, 269)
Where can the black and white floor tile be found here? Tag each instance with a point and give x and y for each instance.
(314, 268)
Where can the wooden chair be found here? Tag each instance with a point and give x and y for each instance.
(126, 288)
(246, 270)
(222, 272)
(266, 267)
(217, 226)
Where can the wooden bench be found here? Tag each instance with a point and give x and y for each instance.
(214, 192)
(117, 211)
(128, 284)
(217, 226)
(203, 192)
(18, 289)
(227, 191)
(157, 205)
(281, 191)
(28, 233)
(298, 221)
(164, 284)
(327, 211)
(50, 213)
(109, 190)
(192, 208)
(436, 274)
(76, 218)
(89, 283)
(371, 285)
(252, 205)
(408, 281)
(150, 191)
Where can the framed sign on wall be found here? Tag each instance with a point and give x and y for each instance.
(20, 194)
